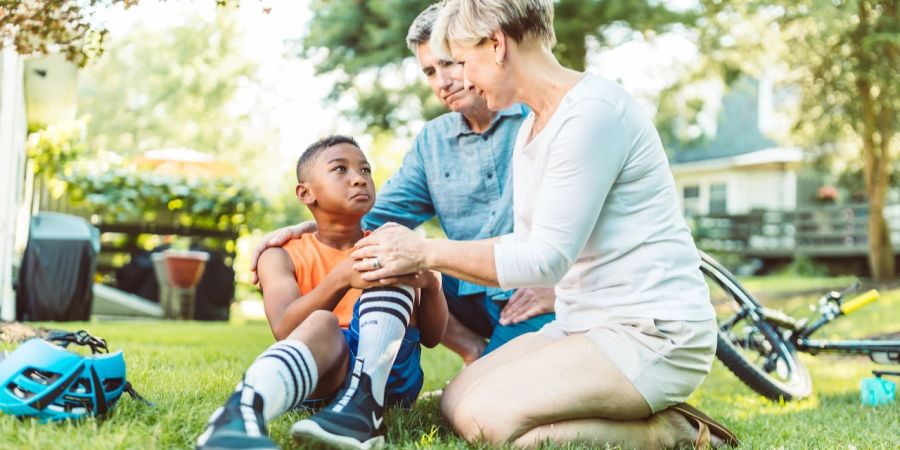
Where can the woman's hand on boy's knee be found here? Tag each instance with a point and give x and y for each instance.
(390, 252)
(278, 238)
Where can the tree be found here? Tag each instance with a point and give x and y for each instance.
(852, 92)
(68, 25)
(359, 41)
(65, 26)
(177, 87)
(844, 56)
(172, 88)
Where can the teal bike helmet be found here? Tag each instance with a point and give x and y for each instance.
(44, 380)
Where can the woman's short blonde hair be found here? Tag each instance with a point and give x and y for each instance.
(470, 21)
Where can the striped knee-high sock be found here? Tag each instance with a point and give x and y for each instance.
(384, 314)
(284, 375)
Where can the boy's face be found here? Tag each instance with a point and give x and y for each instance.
(339, 181)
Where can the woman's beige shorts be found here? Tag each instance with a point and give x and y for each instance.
(664, 359)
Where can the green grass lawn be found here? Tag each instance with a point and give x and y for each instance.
(188, 369)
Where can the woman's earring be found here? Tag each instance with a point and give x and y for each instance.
(499, 63)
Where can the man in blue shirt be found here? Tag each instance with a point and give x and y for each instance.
(458, 170)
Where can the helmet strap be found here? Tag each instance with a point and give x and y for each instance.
(134, 394)
(81, 337)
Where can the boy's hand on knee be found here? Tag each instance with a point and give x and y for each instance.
(352, 277)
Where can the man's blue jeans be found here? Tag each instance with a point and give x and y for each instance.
(482, 315)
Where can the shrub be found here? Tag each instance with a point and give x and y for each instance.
(803, 265)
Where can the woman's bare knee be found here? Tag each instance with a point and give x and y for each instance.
(478, 416)
(467, 419)
(453, 393)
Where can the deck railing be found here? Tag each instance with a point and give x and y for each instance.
(828, 230)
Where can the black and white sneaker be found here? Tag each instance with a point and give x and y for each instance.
(351, 421)
(237, 425)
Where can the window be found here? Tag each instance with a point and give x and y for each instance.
(718, 198)
(691, 200)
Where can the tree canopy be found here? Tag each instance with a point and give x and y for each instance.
(172, 88)
(360, 41)
(841, 57)
(845, 56)
(66, 26)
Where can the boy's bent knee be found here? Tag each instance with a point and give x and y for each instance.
(317, 322)
(321, 317)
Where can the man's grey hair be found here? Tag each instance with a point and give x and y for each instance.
(420, 30)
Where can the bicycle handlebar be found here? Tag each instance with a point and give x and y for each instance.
(860, 301)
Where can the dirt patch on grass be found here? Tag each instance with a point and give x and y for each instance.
(15, 332)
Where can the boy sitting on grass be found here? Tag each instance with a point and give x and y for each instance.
(327, 339)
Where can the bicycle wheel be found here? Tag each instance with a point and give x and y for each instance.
(756, 351)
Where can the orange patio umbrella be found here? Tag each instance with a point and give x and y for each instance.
(183, 161)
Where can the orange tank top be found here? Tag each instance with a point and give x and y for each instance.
(312, 261)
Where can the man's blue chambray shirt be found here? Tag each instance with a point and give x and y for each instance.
(462, 177)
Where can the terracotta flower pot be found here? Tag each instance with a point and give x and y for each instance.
(185, 268)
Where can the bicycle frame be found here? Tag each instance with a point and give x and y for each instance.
(799, 331)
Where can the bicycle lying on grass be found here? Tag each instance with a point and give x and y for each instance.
(759, 345)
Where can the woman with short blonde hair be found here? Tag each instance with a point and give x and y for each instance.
(596, 216)
(471, 22)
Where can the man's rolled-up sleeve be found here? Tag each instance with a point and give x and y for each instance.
(405, 198)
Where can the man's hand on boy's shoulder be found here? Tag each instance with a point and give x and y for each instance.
(274, 263)
(278, 238)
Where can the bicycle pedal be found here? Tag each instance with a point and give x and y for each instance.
(877, 391)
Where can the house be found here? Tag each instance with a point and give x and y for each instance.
(13, 130)
(37, 90)
(740, 169)
(731, 185)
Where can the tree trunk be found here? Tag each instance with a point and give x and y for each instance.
(877, 162)
(881, 251)
(877, 156)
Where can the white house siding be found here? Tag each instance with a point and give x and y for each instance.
(765, 179)
(766, 188)
(746, 188)
(12, 156)
(703, 181)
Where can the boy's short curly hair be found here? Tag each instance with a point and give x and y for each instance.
(309, 155)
